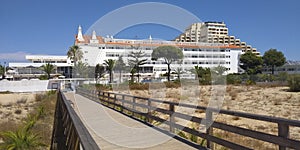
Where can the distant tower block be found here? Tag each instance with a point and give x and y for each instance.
(94, 39)
(79, 35)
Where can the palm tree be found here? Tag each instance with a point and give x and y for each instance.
(48, 69)
(136, 61)
(110, 64)
(120, 66)
(132, 72)
(1, 70)
(81, 70)
(75, 54)
(202, 74)
(22, 139)
(99, 72)
(178, 71)
(219, 70)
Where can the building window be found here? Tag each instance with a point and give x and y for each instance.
(61, 61)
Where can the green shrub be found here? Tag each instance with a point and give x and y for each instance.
(138, 86)
(51, 92)
(6, 92)
(172, 84)
(250, 82)
(233, 79)
(102, 87)
(181, 134)
(265, 78)
(43, 77)
(193, 137)
(205, 80)
(294, 83)
(282, 76)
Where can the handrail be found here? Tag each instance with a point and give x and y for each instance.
(295, 123)
(118, 101)
(69, 133)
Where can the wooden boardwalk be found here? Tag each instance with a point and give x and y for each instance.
(113, 130)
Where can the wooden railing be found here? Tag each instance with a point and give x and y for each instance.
(142, 108)
(69, 133)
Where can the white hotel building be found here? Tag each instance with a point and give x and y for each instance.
(96, 49)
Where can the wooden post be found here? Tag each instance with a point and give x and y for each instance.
(58, 138)
(115, 99)
(209, 130)
(123, 99)
(103, 99)
(108, 99)
(283, 131)
(172, 119)
(95, 95)
(133, 105)
(148, 111)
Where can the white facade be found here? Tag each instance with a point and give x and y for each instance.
(32, 68)
(39, 60)
(195, 53)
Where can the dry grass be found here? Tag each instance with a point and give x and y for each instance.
(22, 108)
(235, 118)
(18, 111)
(238, 139)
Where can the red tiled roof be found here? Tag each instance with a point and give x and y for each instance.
(183, 45)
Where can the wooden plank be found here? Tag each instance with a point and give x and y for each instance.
(283, 131)
(258, 135)
(189, 118)
(212, 138)
(172, 119)
(209, 130)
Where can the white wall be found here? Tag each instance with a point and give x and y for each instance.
(24, 85)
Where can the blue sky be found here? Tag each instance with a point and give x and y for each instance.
(48, 27)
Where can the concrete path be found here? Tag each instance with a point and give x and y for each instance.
(112, 130)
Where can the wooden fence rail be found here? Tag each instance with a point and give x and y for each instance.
(142, 108)
(69, 133)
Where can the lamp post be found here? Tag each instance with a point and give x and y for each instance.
(4, 70)
(1, 70)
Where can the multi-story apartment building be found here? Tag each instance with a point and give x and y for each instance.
(213, 32)
(191, 34)
(96, 49)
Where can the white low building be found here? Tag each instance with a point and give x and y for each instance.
(32, 68)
